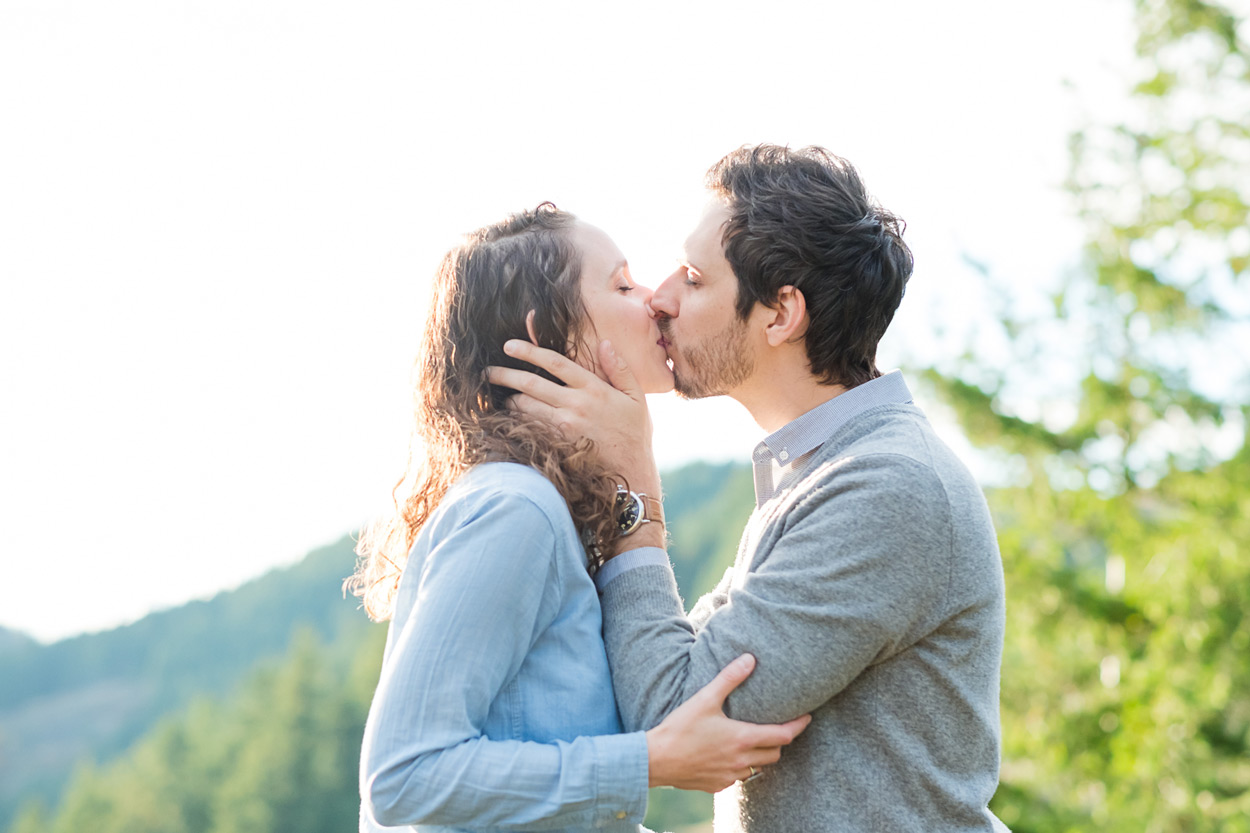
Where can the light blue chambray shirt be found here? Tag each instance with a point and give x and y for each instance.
(781, 457)
(494, 710)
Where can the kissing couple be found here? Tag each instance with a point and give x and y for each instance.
(541, 670)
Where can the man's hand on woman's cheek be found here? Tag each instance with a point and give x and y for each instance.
(614, 416)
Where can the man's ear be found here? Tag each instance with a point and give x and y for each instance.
(789, 317)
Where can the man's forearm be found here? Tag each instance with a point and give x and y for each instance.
(648, 641)
(832, 596)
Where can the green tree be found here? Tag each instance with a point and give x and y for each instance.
(1121, 421)
(282, 755)
(295, 765)
(707, 507)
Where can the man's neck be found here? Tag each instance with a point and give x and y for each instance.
(777, 399)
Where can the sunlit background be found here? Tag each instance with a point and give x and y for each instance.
(217, 221)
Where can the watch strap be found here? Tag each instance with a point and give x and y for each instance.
(653, 509)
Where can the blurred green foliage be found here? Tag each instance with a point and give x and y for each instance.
(92, 696)
(1121, 420)
(282, 755)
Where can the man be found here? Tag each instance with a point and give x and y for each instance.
(868, 583)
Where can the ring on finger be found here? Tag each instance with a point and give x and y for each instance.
(755, 773)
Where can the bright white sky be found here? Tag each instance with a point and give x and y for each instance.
(217, 219)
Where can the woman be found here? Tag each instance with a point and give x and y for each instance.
(494, 709)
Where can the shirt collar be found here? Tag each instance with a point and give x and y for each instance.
(809, 431)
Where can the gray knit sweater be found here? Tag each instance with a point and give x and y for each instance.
(871, 594)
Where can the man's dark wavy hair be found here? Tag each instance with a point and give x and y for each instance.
(803, 218)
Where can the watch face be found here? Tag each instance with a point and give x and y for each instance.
(628, 511)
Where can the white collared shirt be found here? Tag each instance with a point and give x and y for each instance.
(783, 455)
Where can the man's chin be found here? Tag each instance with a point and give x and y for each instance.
(692, 392)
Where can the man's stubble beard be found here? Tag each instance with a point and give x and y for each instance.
(716, 366)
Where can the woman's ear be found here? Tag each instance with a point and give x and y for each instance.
(529, 327)
(789, 317)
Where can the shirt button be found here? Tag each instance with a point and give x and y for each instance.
(621, 814)
(783, 456)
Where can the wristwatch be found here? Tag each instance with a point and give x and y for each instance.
(633, 510)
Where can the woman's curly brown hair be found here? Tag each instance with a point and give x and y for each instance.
(483, 292)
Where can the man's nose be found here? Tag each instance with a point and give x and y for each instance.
(663, 303)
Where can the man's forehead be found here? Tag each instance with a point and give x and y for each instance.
(707, 235)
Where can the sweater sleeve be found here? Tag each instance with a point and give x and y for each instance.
(712, 600)
(857, 573)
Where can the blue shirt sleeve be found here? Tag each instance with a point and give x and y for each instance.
(484, 594)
